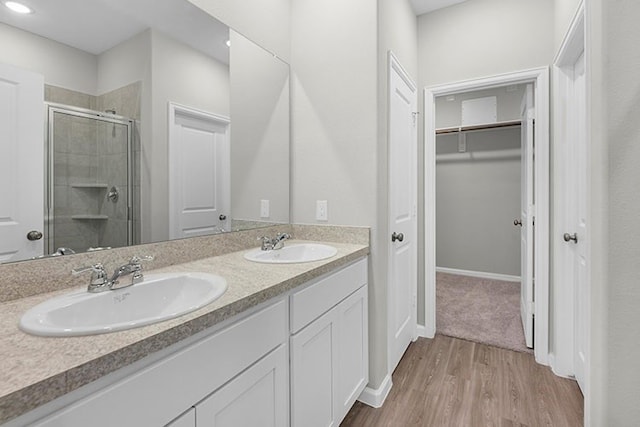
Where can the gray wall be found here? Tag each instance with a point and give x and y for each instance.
(259, 132)
(615, 248)
(483, 38)
(478, 192)
(477, 199)
(61, 65)
(334, 112)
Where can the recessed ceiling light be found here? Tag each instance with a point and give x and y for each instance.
(18, 7)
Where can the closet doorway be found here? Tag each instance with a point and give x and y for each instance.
(480, 215)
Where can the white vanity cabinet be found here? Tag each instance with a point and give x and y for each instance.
(299, 359)
(329, 345)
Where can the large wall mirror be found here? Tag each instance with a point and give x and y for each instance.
(159, 122)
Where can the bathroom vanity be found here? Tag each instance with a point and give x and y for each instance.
(285, 345)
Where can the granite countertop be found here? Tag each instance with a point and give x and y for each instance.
(35, 370)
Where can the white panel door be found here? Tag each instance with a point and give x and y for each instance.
(402, 212)
(257, 397)
(198, 173)
(21, 163)
(577, 232)
(527, 205)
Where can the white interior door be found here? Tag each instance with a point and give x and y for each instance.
(21, 164)
(577, 225)
(198, 173)
(402, 212)
(527, 205)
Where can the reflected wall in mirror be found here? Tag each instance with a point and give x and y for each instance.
(160, 122)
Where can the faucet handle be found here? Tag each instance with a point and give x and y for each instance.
(135, 266)
(137, 259)
(95, 268)
(266, 243)
(98, 276)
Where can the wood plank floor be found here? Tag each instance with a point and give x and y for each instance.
(452, 382)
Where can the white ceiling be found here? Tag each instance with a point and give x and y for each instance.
(98, 25)
(425, 6)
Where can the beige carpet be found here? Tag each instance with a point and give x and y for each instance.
(480, 310)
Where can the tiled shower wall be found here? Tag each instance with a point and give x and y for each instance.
(89, 152)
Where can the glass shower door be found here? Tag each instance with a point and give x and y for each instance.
(90, 180)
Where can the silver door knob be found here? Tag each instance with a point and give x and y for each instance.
(517, 222)
(222, 217)
(569, 237)
(397, 236)
(34, 235)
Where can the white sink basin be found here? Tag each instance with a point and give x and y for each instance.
(159, 297)
(294, 253)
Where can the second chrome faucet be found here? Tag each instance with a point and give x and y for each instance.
(269, 244)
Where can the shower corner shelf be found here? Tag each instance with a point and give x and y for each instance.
(90, 185)
(90, 217)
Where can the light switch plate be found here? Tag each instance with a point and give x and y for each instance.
(264, 209)
(321, 210)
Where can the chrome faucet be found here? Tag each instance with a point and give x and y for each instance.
(99, 281)
(276, 243)
(133, 268)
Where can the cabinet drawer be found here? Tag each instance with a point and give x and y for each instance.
(318, 298)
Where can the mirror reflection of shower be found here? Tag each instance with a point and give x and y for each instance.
(90, 179)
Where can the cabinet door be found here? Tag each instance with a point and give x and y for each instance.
(313, 373)
(353, 351)
(257, 397)
(188, 419)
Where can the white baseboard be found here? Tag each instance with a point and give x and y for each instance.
(558, 371)
(481, 274)
(425, 332)
(376, 397)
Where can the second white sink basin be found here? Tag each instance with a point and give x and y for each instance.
(294, 253)
(159, 297)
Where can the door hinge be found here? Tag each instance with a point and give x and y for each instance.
(415, 115)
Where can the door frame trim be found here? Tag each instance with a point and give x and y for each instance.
(540, 78)
(395, 66)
